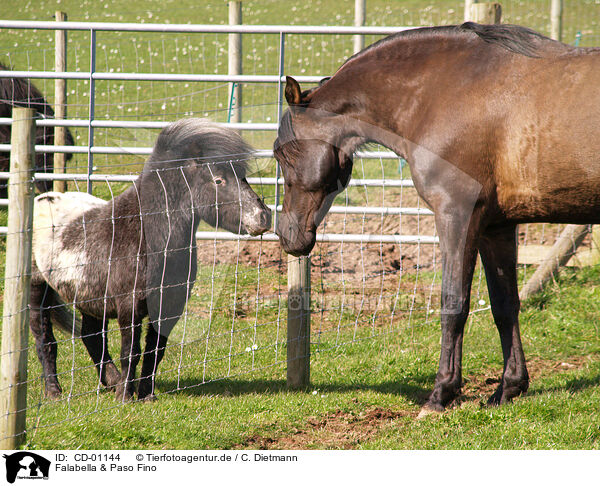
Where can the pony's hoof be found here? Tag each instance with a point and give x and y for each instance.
(148, 398)
(53, 393)
(122, 396)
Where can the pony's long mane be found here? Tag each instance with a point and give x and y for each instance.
(201, 140)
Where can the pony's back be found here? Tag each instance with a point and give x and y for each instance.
(52, 211)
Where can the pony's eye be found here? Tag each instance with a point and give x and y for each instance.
(218, 181)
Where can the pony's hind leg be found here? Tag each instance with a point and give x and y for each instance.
(95, 338)
(153, 355)
(41, 298)
(498, 251)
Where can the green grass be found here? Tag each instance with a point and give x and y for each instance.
(215, 390)
(393, 371)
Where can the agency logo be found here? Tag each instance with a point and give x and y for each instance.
(26, 465)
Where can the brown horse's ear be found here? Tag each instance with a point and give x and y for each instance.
(293, 94)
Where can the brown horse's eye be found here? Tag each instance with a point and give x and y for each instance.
(218, 181)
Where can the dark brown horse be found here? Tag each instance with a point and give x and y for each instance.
(22, 93)
(500, 126)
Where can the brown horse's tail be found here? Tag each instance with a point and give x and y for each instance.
(64, 319)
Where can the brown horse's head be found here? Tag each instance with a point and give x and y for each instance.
(315, 168)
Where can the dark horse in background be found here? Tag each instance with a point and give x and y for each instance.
(21, 93)
(135, 255)
(500, 126)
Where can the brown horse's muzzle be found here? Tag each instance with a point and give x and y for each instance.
(294, 239)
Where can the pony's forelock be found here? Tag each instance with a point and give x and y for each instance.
(202, 140)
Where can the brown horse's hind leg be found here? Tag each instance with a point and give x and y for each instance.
(41, 298)
(498, 251)
(95, 338)
(458, 240)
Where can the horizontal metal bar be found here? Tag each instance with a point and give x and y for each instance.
(326, 237)
(267, 154)
(43, 176)
(200, 28)
(52, 122)
(79, 149)
(334, 209)
(207, 78)
(380, 210)
(270, 181)
(321, 237)
(266, 181)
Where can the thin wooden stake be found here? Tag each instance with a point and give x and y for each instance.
(235, 62)
(298, 324)
(556, 19)
(60, 101)
(359, 21)
(15, 320)
(486, 13)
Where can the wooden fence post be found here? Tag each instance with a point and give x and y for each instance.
(486, 13)
(559, 255)
(359, 21)
(235, 62)
(298, 324)
(15, 320)
(468, 4)
(556, 19)
(60, 101)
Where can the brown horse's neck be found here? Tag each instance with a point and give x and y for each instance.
(390, 92)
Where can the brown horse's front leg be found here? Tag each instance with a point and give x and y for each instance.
(459, 252)
(499, 256)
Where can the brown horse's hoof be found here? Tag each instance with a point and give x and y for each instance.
(426, 411)
(506, 394)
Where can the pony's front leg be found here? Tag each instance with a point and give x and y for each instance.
(131, 330)
(498, 251)
(41, 297)
(459, 252)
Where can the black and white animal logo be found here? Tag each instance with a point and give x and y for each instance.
(26, 465)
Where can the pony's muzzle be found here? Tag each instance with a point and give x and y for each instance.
(258, 221)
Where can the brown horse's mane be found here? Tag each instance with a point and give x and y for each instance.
(514, 38)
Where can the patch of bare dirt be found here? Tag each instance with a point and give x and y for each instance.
(481, 387)
(337, 430)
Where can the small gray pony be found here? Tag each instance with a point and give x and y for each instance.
(135, 255)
